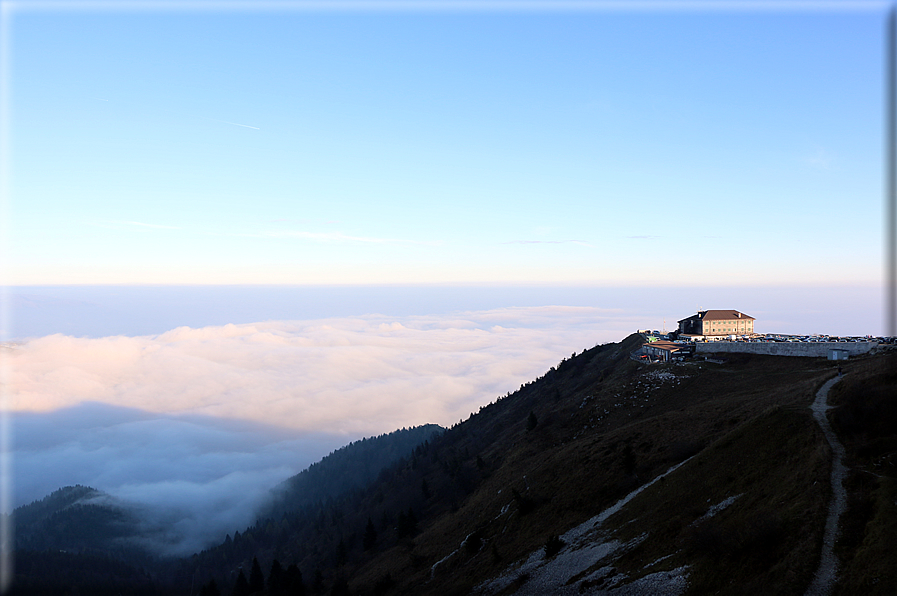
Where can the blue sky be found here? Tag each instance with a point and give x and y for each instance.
(385, 146)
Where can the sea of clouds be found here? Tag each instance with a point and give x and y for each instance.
(352, 376)
(196, 425)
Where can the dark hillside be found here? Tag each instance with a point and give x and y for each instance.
(606, 425)
(866, 421)
(79, 537)
(82, 539)
(60, 573)
(497, 487)
(350, 467)
(74, 519)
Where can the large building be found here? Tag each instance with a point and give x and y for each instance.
(717, 323)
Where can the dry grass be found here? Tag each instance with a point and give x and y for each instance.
(866, 422)
(604, 429)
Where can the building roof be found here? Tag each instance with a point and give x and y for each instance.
(719, 315)
(664, 345)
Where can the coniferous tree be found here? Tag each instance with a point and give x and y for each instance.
(241, 586)
(340, 588)
(276, 578)
(629, 459)
(407, 524)
(401, 525)
(294, 583)
(256, 578)
(383, 585)
(370, 536)
(341, 554)
(531, 421)
(210, 589)
(412, 522)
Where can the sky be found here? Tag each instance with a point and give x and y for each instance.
(234, 239)
(315, 146)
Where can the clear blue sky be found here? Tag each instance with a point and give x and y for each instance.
(385, 146)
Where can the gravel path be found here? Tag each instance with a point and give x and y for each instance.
(827, 573)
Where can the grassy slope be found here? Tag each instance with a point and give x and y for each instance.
(866, 422)
(604, 429)
(489, 492)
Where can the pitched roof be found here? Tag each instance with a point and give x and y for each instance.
(723, 315)
(719, 315)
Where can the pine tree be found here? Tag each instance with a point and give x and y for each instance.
(256, 578)
(531, 421)
(341, 554)
(210, 589)
(407, 524)
(340, 587)
(412, 522)
(629, 459)
(294, 580)
(276, 578)
(370, 535)
(241, 586)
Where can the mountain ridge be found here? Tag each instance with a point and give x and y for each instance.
(527, 468)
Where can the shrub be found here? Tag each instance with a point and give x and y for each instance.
(553, 546)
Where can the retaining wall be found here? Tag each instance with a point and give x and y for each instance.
(791, 348)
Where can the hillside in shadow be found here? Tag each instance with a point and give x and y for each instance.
(486, 506)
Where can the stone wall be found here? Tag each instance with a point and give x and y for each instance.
(792, 348)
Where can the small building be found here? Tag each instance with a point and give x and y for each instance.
(717, 323)
(838, 354)
(665, 350)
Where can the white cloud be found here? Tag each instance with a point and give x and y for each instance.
(361, 375)
(196, 424)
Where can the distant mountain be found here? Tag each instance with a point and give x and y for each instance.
(77, 528)
(82, 538)
(75, 519)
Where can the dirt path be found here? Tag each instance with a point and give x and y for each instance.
(827, 572)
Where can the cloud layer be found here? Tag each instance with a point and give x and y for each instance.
(355, 376)
(196, 424)
(194, 478)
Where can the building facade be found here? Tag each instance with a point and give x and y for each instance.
(717, 323)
